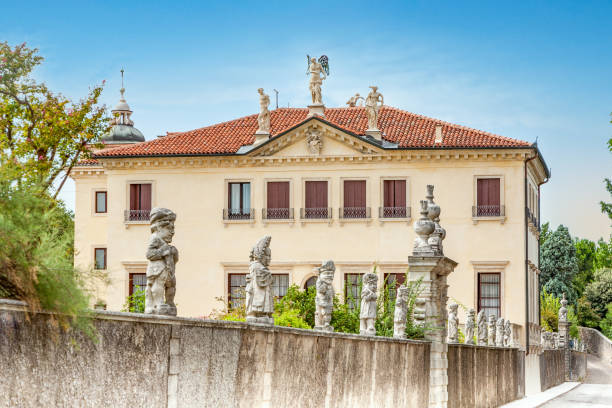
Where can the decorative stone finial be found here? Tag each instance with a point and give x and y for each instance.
(482, 328)
(263, 119)
(372, 107)
(424, 227)
(259, 302)
(367, 316)
(401, 312)
(324, 301)
(453, 323)
(439, 233)
(161, 280)
(563, 310)
(318, 71)
(469, 327)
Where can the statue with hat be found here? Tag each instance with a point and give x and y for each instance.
(324, 300)
(161, 280)
(259, 301)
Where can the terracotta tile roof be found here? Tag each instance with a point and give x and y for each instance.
(406, 129)
(88, 162)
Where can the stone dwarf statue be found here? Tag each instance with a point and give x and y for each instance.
(508, 340)
(372, 107)
(453, 324)
(263, 119)
(161, 281)
(259, 302)
(324, 301)
(469, 327)
(499, 334)
(482, 328)
(491, 331)
(367, 317)
(401, 312)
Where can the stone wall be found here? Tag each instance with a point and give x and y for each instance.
(578, 366)
(158, 361)
(552, 368)
(596, 343)
(484, 376)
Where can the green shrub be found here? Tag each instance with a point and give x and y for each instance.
(606, 323)
(135, 303)
(290, 318)
(549, 314)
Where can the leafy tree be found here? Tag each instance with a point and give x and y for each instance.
(558, 264)
(606, 323)
(545, 233)
(585, 256)
(599, 292)
(603, 254)
(41, 132)
(607, 207)
(586, 315)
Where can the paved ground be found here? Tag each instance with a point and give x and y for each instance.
(594, 393)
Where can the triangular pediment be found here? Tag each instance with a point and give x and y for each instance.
(316, 138)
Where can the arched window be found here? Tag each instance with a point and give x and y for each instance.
(310, 282)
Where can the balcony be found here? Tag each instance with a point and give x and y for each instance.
(236, 214)
(394, 212)
(354, 213)
(277, 214)
(321, 213)
(488, 211)
(137, 215)
(531, 217)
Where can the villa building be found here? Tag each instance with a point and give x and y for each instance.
(325, 185)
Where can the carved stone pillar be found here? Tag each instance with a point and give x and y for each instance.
(432, 271)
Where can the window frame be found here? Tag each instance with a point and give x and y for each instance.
(128, 183)
(226, 201)
(367, 216)
(358, 297)
(407, 199)
(291, 217)
(499, 297)
(131, 281)
(330, 200)
(105, 258)
(502, 198)
(95, 202)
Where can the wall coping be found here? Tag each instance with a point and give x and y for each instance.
(16, 305)
(463, 345)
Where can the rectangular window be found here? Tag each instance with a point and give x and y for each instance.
(489, 293)
(394, 199)
(354, 199)
(277, 201)
(236, 284)
(392, 281)
(138, 281)
(280, 284)
(100, 258)
(316, 200)
(239, 201)
(488, 197)
(140, 202)
(100, 202)
(352, 289)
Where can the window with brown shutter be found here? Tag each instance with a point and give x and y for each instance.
(354, 199)
(316, 200)
(277, 200)
(394, 199)
(140, 202)
(488, 197)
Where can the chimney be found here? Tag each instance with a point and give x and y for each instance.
(438, 134)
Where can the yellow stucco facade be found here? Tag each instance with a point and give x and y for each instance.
(210, 248)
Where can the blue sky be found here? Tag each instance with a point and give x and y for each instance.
(521, 69)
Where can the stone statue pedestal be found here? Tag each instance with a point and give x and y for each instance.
(433, 272)
(317, 109)
(166, 310)
(260, 320)
(261, 137)
(375, 133)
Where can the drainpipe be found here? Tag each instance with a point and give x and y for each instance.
(539, 223)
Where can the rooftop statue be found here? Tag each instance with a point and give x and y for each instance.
(263, 119)
(318, 71)
(161, 281)
(324, 300)
(352, 102)
(259, 302)
(372, 107)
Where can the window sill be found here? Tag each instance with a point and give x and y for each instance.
(278, 221)
(99, 214)
(247, 221)
(354, 220)
(128, 223)
(500, 218)
(405, 219)
(316, 220)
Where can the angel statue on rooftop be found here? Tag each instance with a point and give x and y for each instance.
(318, 71)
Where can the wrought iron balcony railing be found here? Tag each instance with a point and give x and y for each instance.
(394, 212)
(316, 213)
(277, 213)
(488, 211)
(233, 214)
(354, 212)
(137, 215)
(532, 218)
